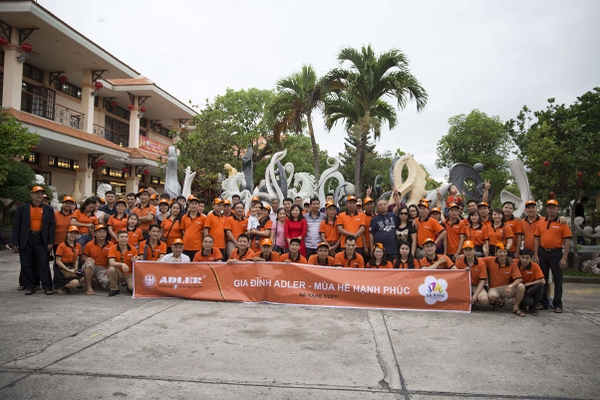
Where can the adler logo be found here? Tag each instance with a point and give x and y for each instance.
(195, 280)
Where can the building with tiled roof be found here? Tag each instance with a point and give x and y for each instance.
(99, 120)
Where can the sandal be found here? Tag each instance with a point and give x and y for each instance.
(29, 292)
(501, 304)
(496, 307)
(21, 288)
(90, 292)
(49, 292)
(558, 310)
(518, 312)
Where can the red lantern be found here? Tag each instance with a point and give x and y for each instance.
(143, 109)
(579, 174)
(63, 79)
(95, 165)
(114, 103)
(27, 48)
(98, 85)
(159, 125)
(552, 194)
(146, 172)
(130, 106)
(101, 162)
(124, 170)
(3, 42)
(547, 163)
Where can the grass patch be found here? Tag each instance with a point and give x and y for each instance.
(571, 272)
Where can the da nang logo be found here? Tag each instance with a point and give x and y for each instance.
(434, 290)
(149, 281)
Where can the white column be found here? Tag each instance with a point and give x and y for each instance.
(134, 125)
(87, 101)
(86, 176)
(13, 74)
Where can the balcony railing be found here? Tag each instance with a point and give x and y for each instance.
(44, 108)
(122, 139)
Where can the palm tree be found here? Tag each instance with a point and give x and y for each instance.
(363, 85)
(298, 95)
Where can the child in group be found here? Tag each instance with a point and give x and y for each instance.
(135, 234)
(253, 221)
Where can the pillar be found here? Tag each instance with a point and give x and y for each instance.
(134, 125)
(13, 73)
(87, 101)
(132, 182)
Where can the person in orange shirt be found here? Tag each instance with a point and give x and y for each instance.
(328, 229)
(533, 279)
(478, 269)
(551, 236)
(133, 231)
(63, 220)
(454, 225)
(95, 260)
(294, 255)
(242, 252)
(264, 227)
(352, 223)
(496, 232)
(472, 230)
(405, 258)
(349, 258)
(214, 225)
(152, 249)
(170, 226)
(484, 212)
(85, 219)
(121, 257)
(378, 259)
(235, 225)
(67, 275)
(209, 252)
(192, 224)
(145, 211)
(117, 222)
(505, 280)
(322, 257)
(529, 224)
(267, 253)
(433, 260)
(508, 208)
(427, 228)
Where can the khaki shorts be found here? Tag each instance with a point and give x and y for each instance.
(100, 273)
(499, 292)
(474, 288)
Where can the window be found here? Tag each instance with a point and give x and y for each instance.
(38, 100)
(112, 172)
(32, 158)
(46, 175)
(116, 131)
(68, 88)
(118, 111)
(156, 180)
(61, 162)
(34, 73)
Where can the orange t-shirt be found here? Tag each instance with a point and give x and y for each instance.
(532, 273)
(478, 269)
(286, 257)
(496, 235)
(172, 232)
(135, 236)
(426, 262)
(453, 235)
(515, 225)
(428, 228)
(330, 230)
(216, 228)
(387, 265)
(352, 223)
(528, 229)
(314, 260)
(115, 253)
(274, 257)
(355, 262)
(215, 255)
(248, 256)
(68, 253)
(552, 233)
(255, 245)
(98, 253)
(35, 217)
(406, 265)
(83, 218)
(118, 224)
(473, 234)
(144, 211)
(192, 231)
(367, 233)
(152, 253)
(62, 225)
(500, 275)
(236, 226)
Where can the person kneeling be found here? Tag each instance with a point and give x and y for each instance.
(267, 253)
(67, 275)
(177, 254)
(478, 269)
(533, 279)
(322, 257)
(294, 256)
(432, 260)
(95, 260)
(120, 260)
(505, 280)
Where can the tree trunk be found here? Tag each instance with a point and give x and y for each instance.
(315, 148)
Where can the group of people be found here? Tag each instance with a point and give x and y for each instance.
(509, 258)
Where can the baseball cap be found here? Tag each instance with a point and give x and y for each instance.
(500, 246)
(552, 202)
(483, 204)
(323, 244)
(530, 203)
(37, 189)
(351, 198)
(142, 190)
(154, 196)
(265, 206)
(217, 200)
(424, 203)
(436, 209)
(329, 204)
(255, 198)
(120, 200)
(428, 240)
(177, 241)
(468, 244)
(163, 201)
(100, 226)
(226, 202)
(367, 200)
(73, 228)
(68, 198)
(453, 205)
(266, 242)
(193, 198)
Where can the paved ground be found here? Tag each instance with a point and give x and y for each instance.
(76, 346)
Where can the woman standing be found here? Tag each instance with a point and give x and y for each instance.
(278, 232)
(496, 233)
(406, 231)
(85, 219)
(296, 227)
(473, 231)
(117, 222)
(170, 226)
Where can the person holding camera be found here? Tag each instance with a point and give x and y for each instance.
(67, 275)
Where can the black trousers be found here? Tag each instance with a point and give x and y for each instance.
(34, 260)
(533, 294)
(550, 261)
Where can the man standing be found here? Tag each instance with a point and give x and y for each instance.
(352, 223)
(550, 238)
(383, 230)
(192, 224)
(313, 220)
(427, 228)
(214, 225)
(33, 237)
(508, 208)
(453, 227)
(110, 207)
(529, 224)
(235, 225)
(145, 211)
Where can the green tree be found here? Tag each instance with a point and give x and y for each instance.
(298, 95)
(375, 164)
(17, 141)
(568, 137)
(477, 138)
(17, 187)
(366, 82)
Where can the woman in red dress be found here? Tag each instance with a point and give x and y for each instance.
(296, 227)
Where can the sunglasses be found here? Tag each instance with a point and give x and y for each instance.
(403, 213)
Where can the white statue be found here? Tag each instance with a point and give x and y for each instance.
(102, 189)
(307, 185)
(187, 182)
(232, 185)
(518, 171)
(330, 173)
(172, 186)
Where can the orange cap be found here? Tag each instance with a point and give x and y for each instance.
(428, 240)
(266, 242)
(323, 244)
(100, 226)
(436, 209)
(530, 203)
(73, 228)
(177, 241)
(453, 205)
(68, 198)
(367, 200)
(37, 189)
(552, 202)
(500, 246)
(468, 244)
(329, 204)
(351, 198)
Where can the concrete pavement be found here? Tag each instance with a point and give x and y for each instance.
(77, 346)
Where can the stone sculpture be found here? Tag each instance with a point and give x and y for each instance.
(172, 186)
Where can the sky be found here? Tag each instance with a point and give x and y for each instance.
(495, 56)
